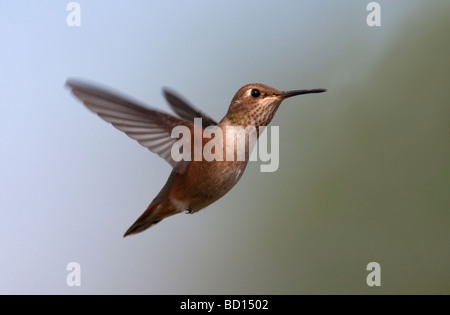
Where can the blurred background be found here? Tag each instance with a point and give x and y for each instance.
(364, 171)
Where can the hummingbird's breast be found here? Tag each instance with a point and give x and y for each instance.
(206, 181)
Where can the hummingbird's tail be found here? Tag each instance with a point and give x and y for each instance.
(160, 208)
(146, 220)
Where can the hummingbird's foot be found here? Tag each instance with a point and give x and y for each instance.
(189, 211)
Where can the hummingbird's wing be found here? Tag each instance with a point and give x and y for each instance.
(151, 128)
(185, 110)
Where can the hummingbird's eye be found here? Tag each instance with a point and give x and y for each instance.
(255, 93)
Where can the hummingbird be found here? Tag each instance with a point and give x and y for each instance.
(192, 184)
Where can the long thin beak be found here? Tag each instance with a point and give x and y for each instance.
(299, 92)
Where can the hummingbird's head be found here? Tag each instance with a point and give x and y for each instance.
(255, 104)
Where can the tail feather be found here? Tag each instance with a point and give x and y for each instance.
(160, 208)
(144, 221)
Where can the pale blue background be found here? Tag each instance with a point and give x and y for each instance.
(364, 169)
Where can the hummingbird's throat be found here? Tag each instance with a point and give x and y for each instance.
(259, 114)
(235, 118)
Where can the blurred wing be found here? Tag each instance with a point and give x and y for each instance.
(149, 127)
(185, 110)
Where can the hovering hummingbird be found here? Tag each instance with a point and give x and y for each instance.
(192, 184)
